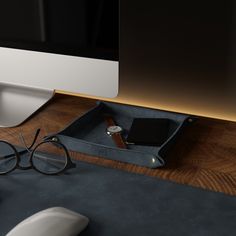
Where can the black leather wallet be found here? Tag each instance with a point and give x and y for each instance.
(149, 131)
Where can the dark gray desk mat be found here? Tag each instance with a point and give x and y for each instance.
(118, 203)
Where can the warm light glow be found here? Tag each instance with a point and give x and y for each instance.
(185, 108)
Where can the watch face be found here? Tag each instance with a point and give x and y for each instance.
(114, 129)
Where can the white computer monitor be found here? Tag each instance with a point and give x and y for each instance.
(50, 45)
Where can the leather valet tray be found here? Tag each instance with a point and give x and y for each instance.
(87, 134)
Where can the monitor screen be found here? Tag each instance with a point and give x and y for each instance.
(71, 46)
(85, 28)
(173, 55)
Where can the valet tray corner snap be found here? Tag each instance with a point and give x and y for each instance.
(87, 134)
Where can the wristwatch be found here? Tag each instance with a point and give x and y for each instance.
(114, 131)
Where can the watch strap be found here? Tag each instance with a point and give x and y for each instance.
(117, 138)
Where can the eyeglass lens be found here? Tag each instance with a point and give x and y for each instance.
(49, 158)
(8, 157)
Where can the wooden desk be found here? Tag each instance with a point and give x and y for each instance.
(204, 156)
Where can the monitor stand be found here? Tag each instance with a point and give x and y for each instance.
(17, 102)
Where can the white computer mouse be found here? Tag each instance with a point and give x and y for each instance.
(56, 221)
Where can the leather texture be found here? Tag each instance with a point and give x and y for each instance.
(118, 203)
(87, 134)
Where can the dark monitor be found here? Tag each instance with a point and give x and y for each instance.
(179, 56)
(62, 45)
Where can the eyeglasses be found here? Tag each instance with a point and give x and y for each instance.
(49, 157)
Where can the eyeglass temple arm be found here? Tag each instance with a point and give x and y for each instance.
(51, 162)
(34, 140)
(23, 141)
(10, 156)
(40, 156)
(48, 158)
(7, 158)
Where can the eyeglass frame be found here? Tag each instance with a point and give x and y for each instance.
(68, 165)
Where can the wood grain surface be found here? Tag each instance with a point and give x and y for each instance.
(204, 156)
